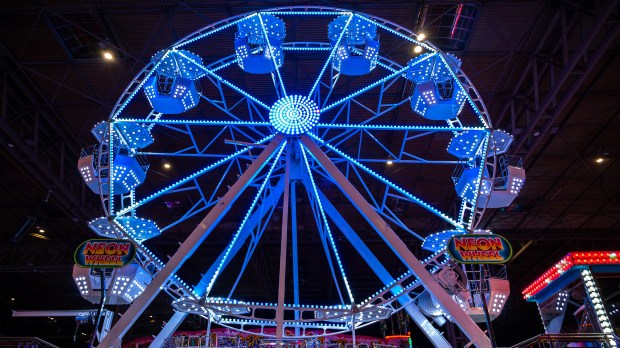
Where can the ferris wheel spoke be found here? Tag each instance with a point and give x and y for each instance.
(187, 179)
(196, 122)
(323, 219)
(257, 230)
(238, 137)
(278, 83)
(381, 207)
(387, 182)
(222, 105)
(393, 75)
(245, 220)
(330, 57)
(393, 127)
(222, 80)
(338, 133)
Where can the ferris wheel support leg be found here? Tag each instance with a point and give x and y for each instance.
(200, 288)
(386, 278)
(190, 245)
(465, 323)
(283, 241)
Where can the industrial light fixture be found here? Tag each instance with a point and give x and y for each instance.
(167, 165)
(108, 55)
(417, 49)
(40, 236)
(421, 37)
(599, 159)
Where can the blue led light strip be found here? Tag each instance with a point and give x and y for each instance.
(469, 99)
(298, 46)
(214, 29)
(485, 146)
(288, 322)
(401, 35)
(329, 232)
(392, 66)
(331, 55)
(119, 108)
(309, 13)
(286, 46)
(196, 122)
(245, 219)
(189, 178)
(395, 127)
(271, 54)
(224, 81)
(376, 83)
(151, 257)
(111, 173)
(395, 187)
(372, 85)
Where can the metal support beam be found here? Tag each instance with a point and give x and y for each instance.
(270, 201)
(283, 244)
(465, 323)
(295, 251)
(49, 141)
(545, 109)
(190, 245)
(386, 278)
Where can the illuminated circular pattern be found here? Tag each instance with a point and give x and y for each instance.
(294, 114)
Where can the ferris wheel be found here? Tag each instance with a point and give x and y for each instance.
(256, 111)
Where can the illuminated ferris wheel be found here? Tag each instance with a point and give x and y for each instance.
(256, 110)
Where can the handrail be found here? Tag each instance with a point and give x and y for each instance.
(568, 337)
(25, 342)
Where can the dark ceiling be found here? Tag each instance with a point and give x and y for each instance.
(547, 70)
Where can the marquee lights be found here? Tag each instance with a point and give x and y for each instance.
(294, 115)
(597, 303)
(567, 263)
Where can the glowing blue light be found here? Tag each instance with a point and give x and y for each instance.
(294, 115)
(245, 219)
(329, 232)
(188, 178)
(390, 184)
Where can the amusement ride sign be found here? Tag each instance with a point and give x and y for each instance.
(479, 248)
(105, 253)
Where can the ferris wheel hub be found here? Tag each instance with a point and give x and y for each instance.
(294, 115)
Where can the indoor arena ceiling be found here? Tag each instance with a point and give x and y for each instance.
(547, 70)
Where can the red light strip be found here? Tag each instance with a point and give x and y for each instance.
(566, 263)
(456, 19)
(398, 336)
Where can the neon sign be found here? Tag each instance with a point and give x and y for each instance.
(479, 249)
(104, 253)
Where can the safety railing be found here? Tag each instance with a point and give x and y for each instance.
(25, 342)
(571, 340)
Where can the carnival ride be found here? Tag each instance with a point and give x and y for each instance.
(362, 110)
(577, 298)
